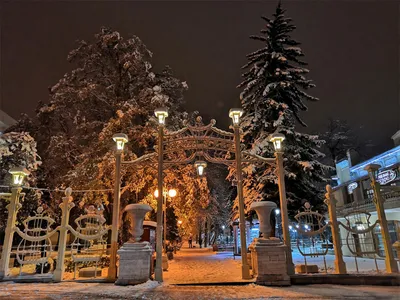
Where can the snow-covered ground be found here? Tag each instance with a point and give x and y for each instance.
(154, 290)
(202, 265)
(194, 266)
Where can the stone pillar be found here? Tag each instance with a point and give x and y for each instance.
(269, 262)
(135, 256)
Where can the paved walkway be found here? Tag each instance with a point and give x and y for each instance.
(203, 266)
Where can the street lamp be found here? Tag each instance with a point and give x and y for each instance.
(390, 262)
(120, 139)
(277, 139)
(235, 114)
(171, 193)
(180, 222)
(161, 114)
(18, 175)
(200, 166)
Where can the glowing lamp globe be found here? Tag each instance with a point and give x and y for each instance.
(18, 175)
(180, 222)
(277, 139)
(121, 139)
(172, 193)
(200, 166)
(161, 114)
(235, 114)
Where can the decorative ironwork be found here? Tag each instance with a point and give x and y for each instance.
(192, 142)
(35, 246)
(90, 242)
(360, 239)
(312, 241)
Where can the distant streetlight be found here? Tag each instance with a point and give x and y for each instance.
(171, 193)
(277, 211)
(200, 166)
(180, 222)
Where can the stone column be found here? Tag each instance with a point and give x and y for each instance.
(135, 256)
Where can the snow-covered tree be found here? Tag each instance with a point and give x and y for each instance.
(274, 94)
(18, 149)
(112, 89)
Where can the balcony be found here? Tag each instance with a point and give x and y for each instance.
(392, 200)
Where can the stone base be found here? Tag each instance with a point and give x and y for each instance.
(303, 269)
(134, 263)
(90, 272)
(269, 262)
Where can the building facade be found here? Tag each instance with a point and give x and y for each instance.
(355, 200)
(5, 121)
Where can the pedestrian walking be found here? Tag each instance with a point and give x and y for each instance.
(190, 241)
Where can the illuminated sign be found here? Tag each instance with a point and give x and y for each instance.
(386, 176)
(351, 187)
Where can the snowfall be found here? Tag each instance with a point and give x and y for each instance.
(203, 274)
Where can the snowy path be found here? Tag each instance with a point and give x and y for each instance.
(202, 266)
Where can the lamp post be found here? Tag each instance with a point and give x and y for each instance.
(120, 139)
(235, 114)
(277, 139)
(18, 175)
(161, 115)
(171, 193)
(200, 167)
(390, 262)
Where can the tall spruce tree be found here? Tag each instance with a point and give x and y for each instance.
(273, 96)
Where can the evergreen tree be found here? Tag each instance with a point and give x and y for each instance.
(273, 96)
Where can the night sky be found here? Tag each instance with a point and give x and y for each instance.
(352, 48)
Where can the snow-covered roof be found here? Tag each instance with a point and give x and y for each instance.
(5, 121)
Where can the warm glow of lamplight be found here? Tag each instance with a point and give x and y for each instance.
(172, 193)
(18, 175)
(180, 222)
(121, 139)
(235, 114)
(161, 114)
(277, 139)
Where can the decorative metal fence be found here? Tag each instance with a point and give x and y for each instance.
(41, 252)
(311, 238)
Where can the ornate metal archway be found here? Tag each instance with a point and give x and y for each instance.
(213, 145)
